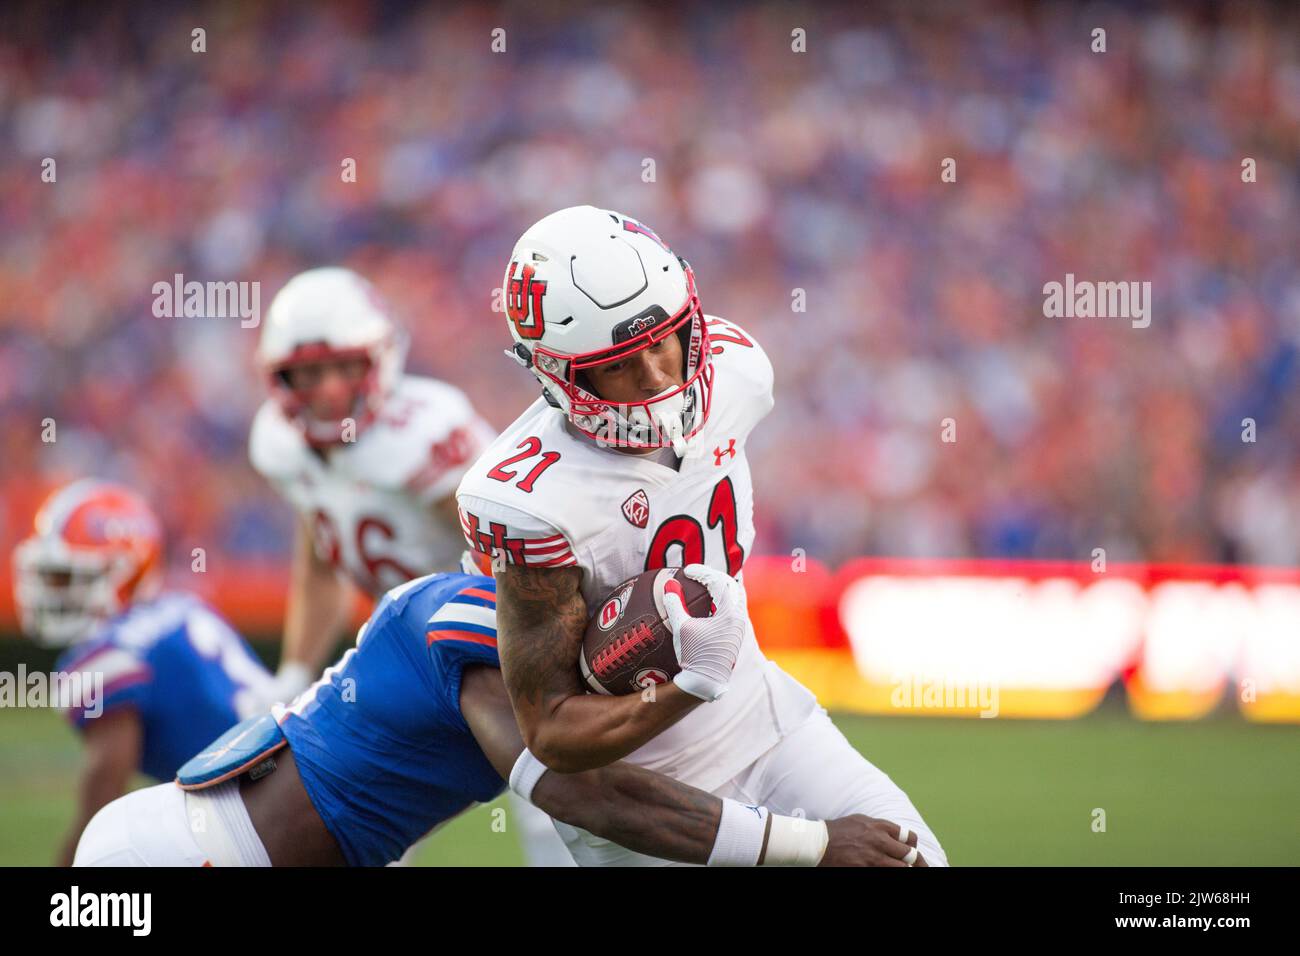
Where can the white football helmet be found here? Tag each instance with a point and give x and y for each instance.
(330, 314)
(587, 286)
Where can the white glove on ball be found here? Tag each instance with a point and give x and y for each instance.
(707, 647)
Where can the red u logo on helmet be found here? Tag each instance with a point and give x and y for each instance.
(524, 302)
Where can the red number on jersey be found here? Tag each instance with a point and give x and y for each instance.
(375, 564)
(325, 538)
(685, 531)
(531, 446)
(720, 331)
(722, 511)
(327, 548)
(682, 530)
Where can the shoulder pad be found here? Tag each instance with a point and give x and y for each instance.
(275, 446)
(426, 429)
(743, 381)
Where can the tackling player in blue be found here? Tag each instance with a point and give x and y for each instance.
(148, 677)
(411, 727)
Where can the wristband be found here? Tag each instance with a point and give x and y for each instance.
(699, 686)
(740, 834)
(525, 774)
(794, 841)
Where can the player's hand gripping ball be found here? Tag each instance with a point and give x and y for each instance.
(680, 624)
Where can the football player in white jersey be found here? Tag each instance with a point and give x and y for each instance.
(369, 458)
(634, 459)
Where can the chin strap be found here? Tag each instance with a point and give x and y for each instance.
(523, 357)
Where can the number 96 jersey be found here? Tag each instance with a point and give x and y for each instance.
(370, 501)
(545, 496)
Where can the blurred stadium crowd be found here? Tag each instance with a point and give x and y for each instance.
(774, 172)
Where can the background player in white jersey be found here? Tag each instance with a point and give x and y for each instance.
(369, 458)
(633, 459)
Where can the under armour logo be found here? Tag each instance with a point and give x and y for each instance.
(720, 451)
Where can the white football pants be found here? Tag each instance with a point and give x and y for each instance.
(813, 772)
(164, 825)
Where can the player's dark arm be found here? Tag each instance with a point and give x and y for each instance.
(643, 811)
(112, 752)
(657, 816)
(541, 617)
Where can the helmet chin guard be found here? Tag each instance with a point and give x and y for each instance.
(671, 418)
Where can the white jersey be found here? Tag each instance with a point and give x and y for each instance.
(370, 501)
(544, 495)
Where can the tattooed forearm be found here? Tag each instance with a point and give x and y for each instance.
(540, 620)
(643, 811)
(541, 617)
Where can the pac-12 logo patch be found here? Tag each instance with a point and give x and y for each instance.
(637, 508)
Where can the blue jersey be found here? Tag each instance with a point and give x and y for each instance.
(380, 743)
(181, 667)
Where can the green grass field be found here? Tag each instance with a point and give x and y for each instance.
(997, 792)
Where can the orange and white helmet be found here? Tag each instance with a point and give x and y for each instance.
(330, 314)
(586, 286)
(476, 562)
(97, 548)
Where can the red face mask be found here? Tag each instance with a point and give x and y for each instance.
(669, 418)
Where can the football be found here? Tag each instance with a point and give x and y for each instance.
(628, 643)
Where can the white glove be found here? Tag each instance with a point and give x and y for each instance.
(707, 647)
(290, 680)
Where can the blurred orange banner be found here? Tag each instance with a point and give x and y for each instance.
(977, 638)
(1033, 638)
